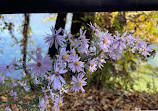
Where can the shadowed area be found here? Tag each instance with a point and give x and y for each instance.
(48, 6)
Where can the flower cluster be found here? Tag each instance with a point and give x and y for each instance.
(82, 57)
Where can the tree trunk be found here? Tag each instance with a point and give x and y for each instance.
(82, 19)
(60, 22)
(25, 42)
(25, 38)
(77, 22)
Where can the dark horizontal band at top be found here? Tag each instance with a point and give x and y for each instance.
(55, 6)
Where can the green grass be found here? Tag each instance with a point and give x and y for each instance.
(146, 78)
(146, 83)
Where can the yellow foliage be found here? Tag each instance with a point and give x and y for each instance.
(54, 17)
(142, 23)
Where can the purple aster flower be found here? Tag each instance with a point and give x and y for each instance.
(12, 93)
(76, 65)
(68, 35)
(100, 34)
(139, 42)
(57, 79)
(42, 65)
(42, 104)
(93, 65)
(100, 62)
(114, 54)
(78, 83)
(63, 55)
(74, 44)
(4, 68)
(14, 63)
(72, 53)
(106, 40)
(15, 98)
(27, 89)
(95, 27)
(83, 50)
(62, 64)
(82, 34)
(119, 43)
(55, 38)
(58, 103)
(145, 49)
(8, 108)
(2, 79)
(83, 43)
(23, 84)
(83, 37)
(130, 40)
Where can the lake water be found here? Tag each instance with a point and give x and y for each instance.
(39, 28)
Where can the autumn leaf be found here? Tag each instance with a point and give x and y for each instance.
(127, 107)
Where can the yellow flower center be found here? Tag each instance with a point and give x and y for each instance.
(92, 65)
(77, 63)
(60, 103)
(85, 52)
(74, 52)
(81, 38)
(104, 41)
(71, 38)
(64, 57)
(48, 78)
(79, 83)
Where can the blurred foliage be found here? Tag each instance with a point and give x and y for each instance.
(9, 25)
(5, 25)
(142, 23)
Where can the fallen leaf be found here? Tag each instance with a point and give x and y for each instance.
(127, 107)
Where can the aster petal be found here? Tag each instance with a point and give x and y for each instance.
(62, 79)
(58, 31)
(38, 54)
(33, 58)
(57, 83)
(74, 78)
(52, 77)
(61, 71)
